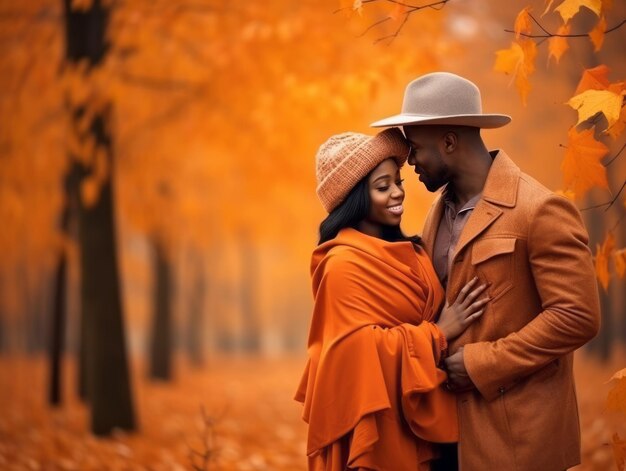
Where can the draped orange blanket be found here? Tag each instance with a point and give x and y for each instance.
(371, 387)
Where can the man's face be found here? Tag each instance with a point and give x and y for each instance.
(426, 156)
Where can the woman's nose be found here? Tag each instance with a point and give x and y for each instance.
(398, 192)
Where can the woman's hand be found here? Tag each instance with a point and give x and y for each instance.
(454, 319)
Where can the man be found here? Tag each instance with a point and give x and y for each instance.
(512, 369)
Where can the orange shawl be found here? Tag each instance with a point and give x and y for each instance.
(371, 385)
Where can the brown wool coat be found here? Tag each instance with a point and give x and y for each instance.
(530, 244)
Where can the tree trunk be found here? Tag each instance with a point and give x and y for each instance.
(59, 308)
(161, 344)
(250, 341)
(57, 330)
(108, 379)
(3, 332)
(195, 323)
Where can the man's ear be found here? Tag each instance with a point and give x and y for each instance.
(450, 142)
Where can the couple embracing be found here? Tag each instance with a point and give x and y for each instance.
(453, 350)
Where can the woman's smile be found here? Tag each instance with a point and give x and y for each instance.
(396, 210)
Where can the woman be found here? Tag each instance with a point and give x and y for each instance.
(371, 388)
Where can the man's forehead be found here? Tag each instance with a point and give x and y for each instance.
(416, 131)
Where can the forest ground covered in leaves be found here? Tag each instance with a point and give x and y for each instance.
(240, 410)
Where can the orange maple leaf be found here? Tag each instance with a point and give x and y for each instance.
(603, 253)
(518, 61)
(569, 8)
(597, 34)
(523, 22)
(591, 102)
(581, 165)
(619, 257)
(558, 45)
(617, 87)
(596, 78)
(617, 129)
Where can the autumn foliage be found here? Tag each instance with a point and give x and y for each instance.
(598, 101)
(204, 117)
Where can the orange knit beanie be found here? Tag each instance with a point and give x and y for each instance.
(344, 159)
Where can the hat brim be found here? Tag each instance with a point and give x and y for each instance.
(474, 120)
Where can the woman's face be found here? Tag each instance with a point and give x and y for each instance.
(386, 194)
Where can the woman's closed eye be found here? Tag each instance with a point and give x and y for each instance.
(386, 187)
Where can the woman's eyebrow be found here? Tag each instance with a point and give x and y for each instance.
(382, 176)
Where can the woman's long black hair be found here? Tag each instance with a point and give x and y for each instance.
(353, 210)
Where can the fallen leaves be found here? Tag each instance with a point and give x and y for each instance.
(255, 423)
(581, 165)
(616, 400)
(619, 452)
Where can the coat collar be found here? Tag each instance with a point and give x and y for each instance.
(502, 180)
(500, 190)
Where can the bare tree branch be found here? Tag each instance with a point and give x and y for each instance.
(615, 156)
(373, 25)
(391, 37)
(608, 204)
(556, 35)
(438, 5)
(209, 450)
(617, 223)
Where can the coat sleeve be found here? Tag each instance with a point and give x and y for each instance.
(562, 268)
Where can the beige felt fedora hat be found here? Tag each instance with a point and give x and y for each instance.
(443, 98)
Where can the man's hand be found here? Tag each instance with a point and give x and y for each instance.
(458, 379)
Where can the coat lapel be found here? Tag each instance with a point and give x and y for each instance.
(483, 215)
(500, 190)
